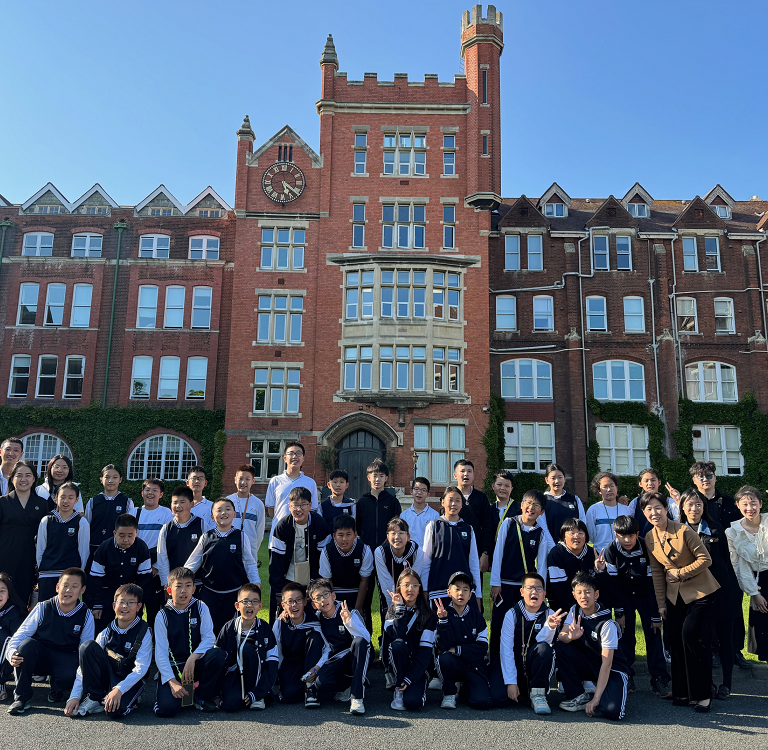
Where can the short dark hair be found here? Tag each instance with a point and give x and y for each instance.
(224, 499)
(254, 588)
(156, 481)
(649, 470)
(533, 577)
(377, 465)
(594, 485)
(110, 467)
(646, 498)
(686, 495)
(294, 444)
(339, 474)
(59, 457)
(19, 464)
(319, 584)
(180, 574)
(293, 586)
(463, 462)
(197, 470)
(748, 491)
(126, 521)
(421, 480)
(451, 489)
(183, 491)
(398, 523)
(76, 572)
(246, 468)
(553, 467)
(582, 578)
(626, 525)
(504, 474)
(68, 485)
(299, 493)
(535, 496)
(344, 521)
(130, 589)
(14, 439)
(702, 467)
(574, 524)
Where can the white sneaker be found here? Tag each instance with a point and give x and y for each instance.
(357, 707)
(449, 701)
(344, 695)
(397, 702)
(257, 705)
(589, 687)
(389, 680)
(88, 706)
(539, 701)
(435, 684)
(577, 703)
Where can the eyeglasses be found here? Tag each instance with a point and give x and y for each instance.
(702, 477)
(574, 533)
(294, 602)
(249, 602)
(411, 586)
(321, 597)
(293, 455)
(533, 589)
(125, 604)
(299, 505)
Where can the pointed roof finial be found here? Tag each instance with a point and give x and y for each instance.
(329, 56)
(246, 132)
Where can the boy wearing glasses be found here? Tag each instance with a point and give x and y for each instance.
(250, 670)
(113, 668)
(295, 546)
(420, 513)
(293, 477)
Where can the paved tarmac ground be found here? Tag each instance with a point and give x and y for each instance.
(741, 722)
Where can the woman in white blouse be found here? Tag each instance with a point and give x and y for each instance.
(748, 545)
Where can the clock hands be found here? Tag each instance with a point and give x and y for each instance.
(288, 187)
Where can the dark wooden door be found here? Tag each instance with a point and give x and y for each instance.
(356, 451)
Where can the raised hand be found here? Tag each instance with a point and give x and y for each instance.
(396, 598)
(575, 631)
(553, 621)
(623, 500)
(345, 614)
(673, 493)
(600, 561)
(441, 612)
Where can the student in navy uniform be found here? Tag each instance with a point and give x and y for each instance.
(62, 540)
(224, 558)
(59, 470)
(337, 504)
(301, 648)
(462, 646)
(522, 546)
(344, 674)
(571, 555)
(12, 614)
(486, 520)
(587, 649)
(179, 537)
(103, 509)
(561, 504)
(527, 657)
(250, 670)
(122, 559)
(48, 640)
(624, 574)
(113, 668)
(411, 629)
(348, 562)
(185, 649)
(295, 546)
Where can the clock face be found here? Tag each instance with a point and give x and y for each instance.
(283, 182)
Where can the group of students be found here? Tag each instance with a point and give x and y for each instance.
(562, 611)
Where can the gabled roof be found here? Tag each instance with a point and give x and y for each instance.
(620, 218)
(208, 191)
(555, 189)
(287, 130)
(4, 201)
(43, 190)
(167, 193)
(95, 189)
(523, 213)
(719, 192)
(692, 219)
(637, 189)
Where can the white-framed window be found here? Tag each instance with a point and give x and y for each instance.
(597, 316)
(634, 315)
(80, 317)
(711, 381)
(638, 210)
(209, 213)
(618, 380)
(87, 245)
(174, 307)
(201, 306)
(38, 243)
(74, 368)
(453, 367)
(54, 304)
(512, 252)
(361, 143)
(154, 246)
(405, 154)
(623, 253)
(203, 247)
(283, 249)
(720, 444)
(358, 368)
(623, 448)
(687, 320)
(18, 383)
(197, 378)
(446, 288)
(600, 252)
(97, 210)
(359, 291)
(690, 254)
(554, 209)
(50, 209)
(438, 447)
(410, 294)
(27, 312)
(146, 315)
(724, 212)
(404, 225)
(535, 253)
(529, 446)
(724, 319)
(506, 313)
(279, 319)
(386, 368)
(47, 370)
(168, 382)
(165, 456)
(712, 253)
(266, 456)
(543, 314)
(141, 377)
(160, 211)
(358, 225)
(526, 379)
(41, 447)
(276, 390)
(449, 226)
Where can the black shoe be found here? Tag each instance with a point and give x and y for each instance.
(741, 662)
(681, 701)
(631, 685)
(205, 706)
(19, 707)
(699, 709)
(310, 699)
(56, 696)
(723, 693)
(716, 664)
(660, 686)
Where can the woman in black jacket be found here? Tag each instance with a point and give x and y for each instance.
(694, 512)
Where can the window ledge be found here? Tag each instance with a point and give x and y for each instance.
(635, 333)
(272, 415)
(690, 333)
(407, 399)
(166, 330)
(511, 399)
(288, 270)
(359, 174)
(449, 177)
(405, 176)
(543, 330)
(727, 333)
(601, 333)
(277, 343)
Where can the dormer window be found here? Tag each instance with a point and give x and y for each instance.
(161, 212)
(638, 210)
(724, 212)
(48, 209)
(554, 209)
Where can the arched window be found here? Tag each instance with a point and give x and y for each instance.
(618, 380)
(41, 447)
(526, 378)
(164, 456)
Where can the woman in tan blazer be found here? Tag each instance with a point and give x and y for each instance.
(685, 594)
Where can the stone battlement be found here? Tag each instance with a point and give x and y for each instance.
(475, 17)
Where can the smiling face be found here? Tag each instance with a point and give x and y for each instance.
(420, 493)
(197, 482)
(294, 459)
(555, 481)
(705, 482)
(126, 608)
(656, 514)
(23, 479)
(533, 594)
(452, 504)
(248, 605)
(324, 600)
(575, 539)
(151, 494)
(59, 471)
(110, 481)
(649, 482)
(181, 507)
(181, 590)
(11, 453)
(299, 510)
(293, 603)
(69, 589)
(338, 486)
(502, 488)
(530, 510)
(750, 506)
(65, 501)
(694, 509)
(223, 515)
(398, 539)
(244, 482)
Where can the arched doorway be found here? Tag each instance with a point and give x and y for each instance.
(356, 451)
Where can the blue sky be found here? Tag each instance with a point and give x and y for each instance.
(595, 94)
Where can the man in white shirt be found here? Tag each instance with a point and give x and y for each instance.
(11, 452)
(197, 481)
(281, 485)
(250, 517)
(420, 513)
